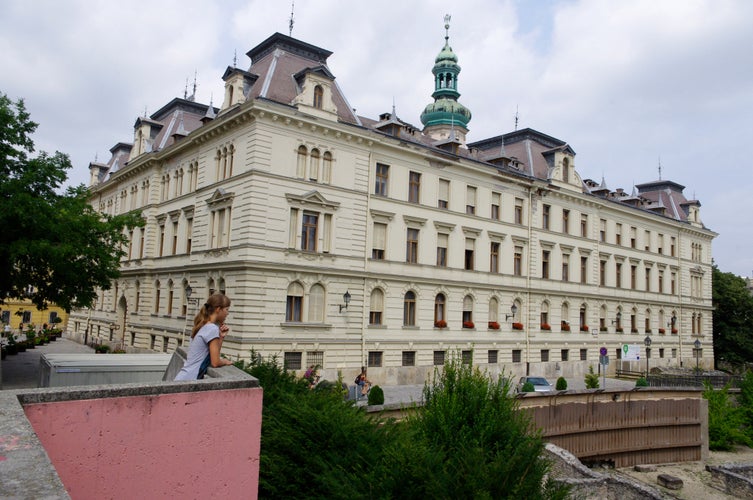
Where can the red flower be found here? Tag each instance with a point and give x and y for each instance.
(565, 328)
(674, 330)
(546, 326)
(662, 330)
(468, 324)
(517, 326)
(494, 325)
(584, 328)
(440, 324)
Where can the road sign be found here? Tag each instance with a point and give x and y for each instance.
(604, 360)
(603, 351)
(631, 352)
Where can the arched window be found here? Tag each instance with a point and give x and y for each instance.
(583, 317)
(565, 317)
(224, 163)
(603, 318)
(618, 319)
(300, 170)
(440, 311)
(468, 312)
(318, 97)
(293, 311)
(409, 309)
(648, 320)
(376, 307)
(327, 167)
(693, 325)
(545, 316)
(493, 310)
(316, 304)
(217, 170)
(314, 166)
(210, 286)
(661, 320)
(231, 152)
(221, 286)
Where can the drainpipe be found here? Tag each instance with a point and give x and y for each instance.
(365, 265)
(528, 280)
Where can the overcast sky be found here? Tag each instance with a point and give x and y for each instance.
(628, 84)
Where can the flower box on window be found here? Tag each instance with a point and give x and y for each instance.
(674, 330)
(584, 328)
(662, 331)
(517, 326)
(493, 325)
(565, 327)
(603, 329)
(468, 324)
(648, 330)
(546, 326)
(440, 324)
(633, 330)
(619, 329)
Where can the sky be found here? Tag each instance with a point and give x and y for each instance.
(630, 85)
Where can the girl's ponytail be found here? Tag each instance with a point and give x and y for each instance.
(215, 301)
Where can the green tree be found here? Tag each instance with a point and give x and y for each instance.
(733, 318)
(53, 241)
(592, 379)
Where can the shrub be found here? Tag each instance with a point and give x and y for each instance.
(726, 420)
(528, 387)
(102, 349)
(592, 379)
(376, 396)
(641, 382)
(467, 441)
(561, 384)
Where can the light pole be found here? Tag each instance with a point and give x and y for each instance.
(647, 342)
(188, 292)
(697, 345)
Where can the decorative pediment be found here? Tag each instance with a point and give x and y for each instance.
(219, 197)
(312, 199)
(322, 71)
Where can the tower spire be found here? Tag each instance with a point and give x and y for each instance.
(292, 21)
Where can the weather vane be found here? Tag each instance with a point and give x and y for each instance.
(292, 21)
(447, 18)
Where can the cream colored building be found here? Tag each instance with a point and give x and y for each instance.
(287, 201)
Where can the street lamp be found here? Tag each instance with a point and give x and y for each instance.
(697, 345)
(672, 322)
(346, 299)
(647, 342)
(513, 310)
(188, 292)
(617, 319)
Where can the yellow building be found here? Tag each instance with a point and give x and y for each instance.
(22, 312)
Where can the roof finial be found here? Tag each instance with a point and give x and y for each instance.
(144, 111)
(96, 157)
(292, 21)
(517, 117)
(394, 114)
(185, 90)
(193, 96)
(447, 18)
(660, 168)
(235, 58)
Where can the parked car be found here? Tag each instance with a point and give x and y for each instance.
(540, 384)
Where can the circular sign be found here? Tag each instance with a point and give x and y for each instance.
(603, 351)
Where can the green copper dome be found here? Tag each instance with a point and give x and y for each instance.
(446, 110)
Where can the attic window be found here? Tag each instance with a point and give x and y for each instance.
(318, 97)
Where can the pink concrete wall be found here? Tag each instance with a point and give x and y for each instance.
(178, 445)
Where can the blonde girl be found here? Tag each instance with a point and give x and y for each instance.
(209, 330)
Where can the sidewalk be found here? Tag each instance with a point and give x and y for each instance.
(21, 371)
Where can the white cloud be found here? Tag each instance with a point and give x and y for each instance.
(623, 82)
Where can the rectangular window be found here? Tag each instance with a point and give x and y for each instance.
(470, 200)
(545, 264)
(382, 177)
(633, 237)
(443, 198)
(633, 277)
(647, 240)
(189, 234)
(309, 231)
(293, 360)
(618, 274)
(618, 234)
(672, 243)
(494, 257)
(674, 352)
(516, 357)
(603, 231)
(603, 272)
(517, 263)
(293, 309)
(565, 353)
(414, 187)
(544, 355)
(439, 358)
(380, 241)
(315, 358)
(492, 356)
(648, 279)
(220, 228)
(661, 282)
(660, 243)
(26, 318)
(142, 238)
(565, 267)
(442, 250)
(411, 250)
(175, 237)
(496, 201)
(466, 357)
(409, 358)
(566, 221)
(672, 279)
(584, 269)
(470, 245)
(545, 216)
(584, 226)
(518, 211)
(375, 359)
(584, 354)
(161, 239)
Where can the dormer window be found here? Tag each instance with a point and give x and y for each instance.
(318, 97)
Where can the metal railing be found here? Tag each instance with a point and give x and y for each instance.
(716, 381)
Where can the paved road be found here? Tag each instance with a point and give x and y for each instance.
(21, 371)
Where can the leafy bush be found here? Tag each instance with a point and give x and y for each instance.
(528, 387)
(102, 349)
(468, 441)
(641, 382)
(726, 420)
(376, 396)
(745, 399)
(592, 379)
(561, 384)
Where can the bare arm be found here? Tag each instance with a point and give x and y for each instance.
(215, 346)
